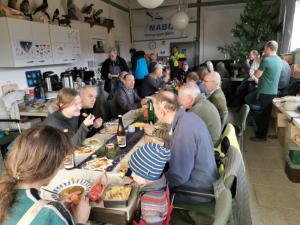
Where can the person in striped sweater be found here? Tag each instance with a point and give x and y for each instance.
(146, 166)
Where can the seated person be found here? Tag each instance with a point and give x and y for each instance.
(148, 173)
(192, 165)
(285, 76)
(153, 82)
(126, 98)
(192, 100)
(202, 71)
(221, 69)
(67, 116)
(212, 82)
(88, 99)
(166, 74)
(35, 159)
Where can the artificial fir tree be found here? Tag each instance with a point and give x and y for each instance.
(258, 24)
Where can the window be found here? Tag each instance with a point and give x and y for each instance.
(295, 43)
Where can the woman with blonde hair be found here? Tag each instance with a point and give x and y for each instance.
(66, 118)
(35, 159)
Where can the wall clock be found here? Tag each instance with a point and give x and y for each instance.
(152, 45)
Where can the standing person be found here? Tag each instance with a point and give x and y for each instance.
(67, 116)
(192, 164)
(88, 99)
(111, 68)
(126, 98)
(35, 159)
(212, 82)
(284, 79)
(139, 68)
(191, 99)
(153, 82)
(176, 56)
(268, 74)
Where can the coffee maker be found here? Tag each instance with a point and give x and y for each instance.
(51, 81)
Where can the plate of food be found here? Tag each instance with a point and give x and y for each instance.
(85, 150)
(68, 187)
(110, 128)
(116, 196)
(92, 141)
(98, 163)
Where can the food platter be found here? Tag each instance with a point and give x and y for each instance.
(92, 142)
(85, 150)
(116, 196)
(98, 164)
(70, 186)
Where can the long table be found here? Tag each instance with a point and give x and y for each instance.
(287, 121)
(99, 213)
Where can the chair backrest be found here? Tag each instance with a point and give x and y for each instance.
(243, 114)
(223, 208)
(229, 132)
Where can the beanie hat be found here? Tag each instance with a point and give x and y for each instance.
(149, 161)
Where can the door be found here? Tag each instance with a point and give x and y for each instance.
(190, 49)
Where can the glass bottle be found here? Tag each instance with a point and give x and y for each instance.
(151, 114)
(121, 135)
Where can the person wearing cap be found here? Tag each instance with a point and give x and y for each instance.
(153, 82)
(146, 166)
(126, 98)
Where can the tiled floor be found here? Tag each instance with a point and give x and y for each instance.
(275, 200)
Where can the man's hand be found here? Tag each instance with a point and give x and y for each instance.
(109, 76)
(98, 122)
(144, 101)
(89, 120)
(149, 129)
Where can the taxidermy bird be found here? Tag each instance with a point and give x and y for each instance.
(87, 9)
(12, 4)
(9, 12)
(155, 17)
(97, 13)
(73, 11)
(65, 22)
(43, 7)
(24, 7)
(55, 15)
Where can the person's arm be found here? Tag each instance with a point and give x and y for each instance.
(182, 159)
(259, 72)
(80, 135)
(104, 70)
(124, 65)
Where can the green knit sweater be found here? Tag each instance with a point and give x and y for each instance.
(52, 213)
(209, 114)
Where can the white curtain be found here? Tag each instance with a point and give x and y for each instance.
(287, 18)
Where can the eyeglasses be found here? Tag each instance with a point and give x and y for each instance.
(208, 81)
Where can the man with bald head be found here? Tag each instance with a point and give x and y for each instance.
(192, 100)
(212, 84)
(88, 99)
(192, 165)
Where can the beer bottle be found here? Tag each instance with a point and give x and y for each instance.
(151, 112)
(121, 135)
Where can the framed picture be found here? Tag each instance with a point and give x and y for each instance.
(98, 46)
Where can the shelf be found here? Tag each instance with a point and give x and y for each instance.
(108, 23)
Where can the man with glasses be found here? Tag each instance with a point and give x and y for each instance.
(212, 82)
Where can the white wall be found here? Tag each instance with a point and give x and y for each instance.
(216, 23)
(121, 34)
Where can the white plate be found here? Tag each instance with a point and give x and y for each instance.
(88, 140)
(85, 184)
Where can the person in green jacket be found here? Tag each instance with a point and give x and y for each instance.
(212, 84)
(192, 100)
(36, 157)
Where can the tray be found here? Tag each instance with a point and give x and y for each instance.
(116, 203)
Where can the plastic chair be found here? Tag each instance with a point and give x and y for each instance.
(241, 126)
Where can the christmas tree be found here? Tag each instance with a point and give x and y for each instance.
(258, 24)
